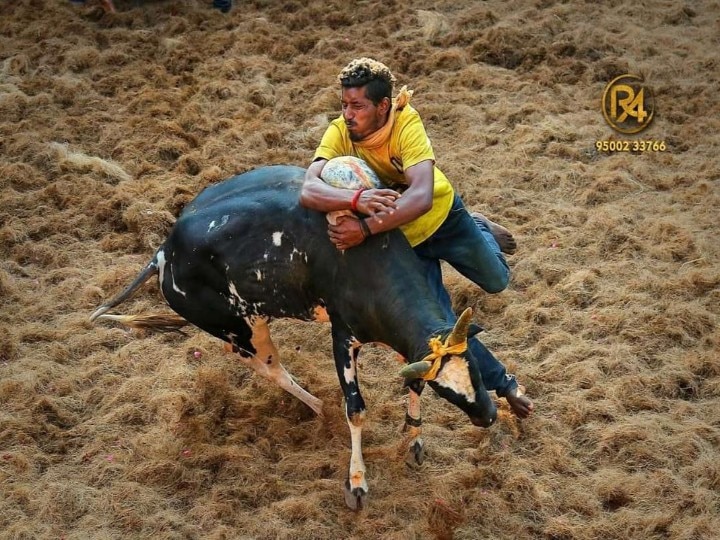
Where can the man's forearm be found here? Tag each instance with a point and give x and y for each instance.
(317, 195)
(410, 206)
(416, 200)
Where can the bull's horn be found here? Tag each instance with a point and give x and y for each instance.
(460, 331)
(416, 369)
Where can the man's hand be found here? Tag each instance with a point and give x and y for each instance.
(374, 201)
(347, 233)
(318, 195)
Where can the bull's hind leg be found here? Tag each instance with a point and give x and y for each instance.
(266, 362)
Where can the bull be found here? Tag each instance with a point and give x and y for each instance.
(244, 252)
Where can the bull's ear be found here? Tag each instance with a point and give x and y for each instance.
(416, 369)
(474, 329)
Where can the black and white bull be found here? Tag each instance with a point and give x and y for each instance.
(244, 252)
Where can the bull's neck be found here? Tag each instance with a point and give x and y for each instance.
(381, 292)
(409, 332)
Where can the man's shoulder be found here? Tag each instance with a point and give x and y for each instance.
(338, 127)
(338, 123)
(407, 116)
(408, 112)
(335, 142)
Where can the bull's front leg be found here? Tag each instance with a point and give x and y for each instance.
(413, 426)
(346, 350)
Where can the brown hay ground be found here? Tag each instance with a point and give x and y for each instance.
(110, 123)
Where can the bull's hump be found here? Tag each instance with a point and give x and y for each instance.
(277, 183)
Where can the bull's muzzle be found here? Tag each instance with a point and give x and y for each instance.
(485, 421)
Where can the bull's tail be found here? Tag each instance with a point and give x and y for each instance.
(150, 270)
(162, 322)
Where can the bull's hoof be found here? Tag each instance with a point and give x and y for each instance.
(354, 498)
(415, 455)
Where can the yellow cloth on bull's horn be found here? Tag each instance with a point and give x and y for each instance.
(439, 350)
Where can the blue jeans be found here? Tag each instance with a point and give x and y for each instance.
(222, 5)
(471, 249)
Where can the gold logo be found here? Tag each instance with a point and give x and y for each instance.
(627, 105)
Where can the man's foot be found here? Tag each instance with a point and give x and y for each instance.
(520, 404)
(502, 236)
(223, 5)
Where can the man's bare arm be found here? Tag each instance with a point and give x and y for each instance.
(318, 195)
(416, 200)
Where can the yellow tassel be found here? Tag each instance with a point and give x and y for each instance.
(439, 350)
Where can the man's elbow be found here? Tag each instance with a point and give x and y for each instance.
(305, 197)
(425, 206)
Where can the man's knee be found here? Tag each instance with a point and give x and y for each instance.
(497, 283)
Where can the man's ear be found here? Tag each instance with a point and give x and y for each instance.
(474, 329)
(384, 105)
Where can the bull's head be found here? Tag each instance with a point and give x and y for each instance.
(453, 372)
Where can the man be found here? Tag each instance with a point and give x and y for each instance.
(107, 5)
(223, 5)
(419, 199)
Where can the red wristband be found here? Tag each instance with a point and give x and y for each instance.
(356, 198)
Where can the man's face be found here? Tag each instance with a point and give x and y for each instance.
(362, 117)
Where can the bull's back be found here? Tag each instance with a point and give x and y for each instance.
(278, 185)
(248, 242)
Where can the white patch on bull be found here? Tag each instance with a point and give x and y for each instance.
(241, 306)
(350, 372)
(236, 300)
(214, 225)
(161, 266)
(277, 238)
(258, 275)
(175, 287)
(357, 465)
(455, 376)
(301, 254)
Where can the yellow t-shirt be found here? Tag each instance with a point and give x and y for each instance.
(408, 145)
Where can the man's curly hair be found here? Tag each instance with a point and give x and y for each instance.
(375, 76)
